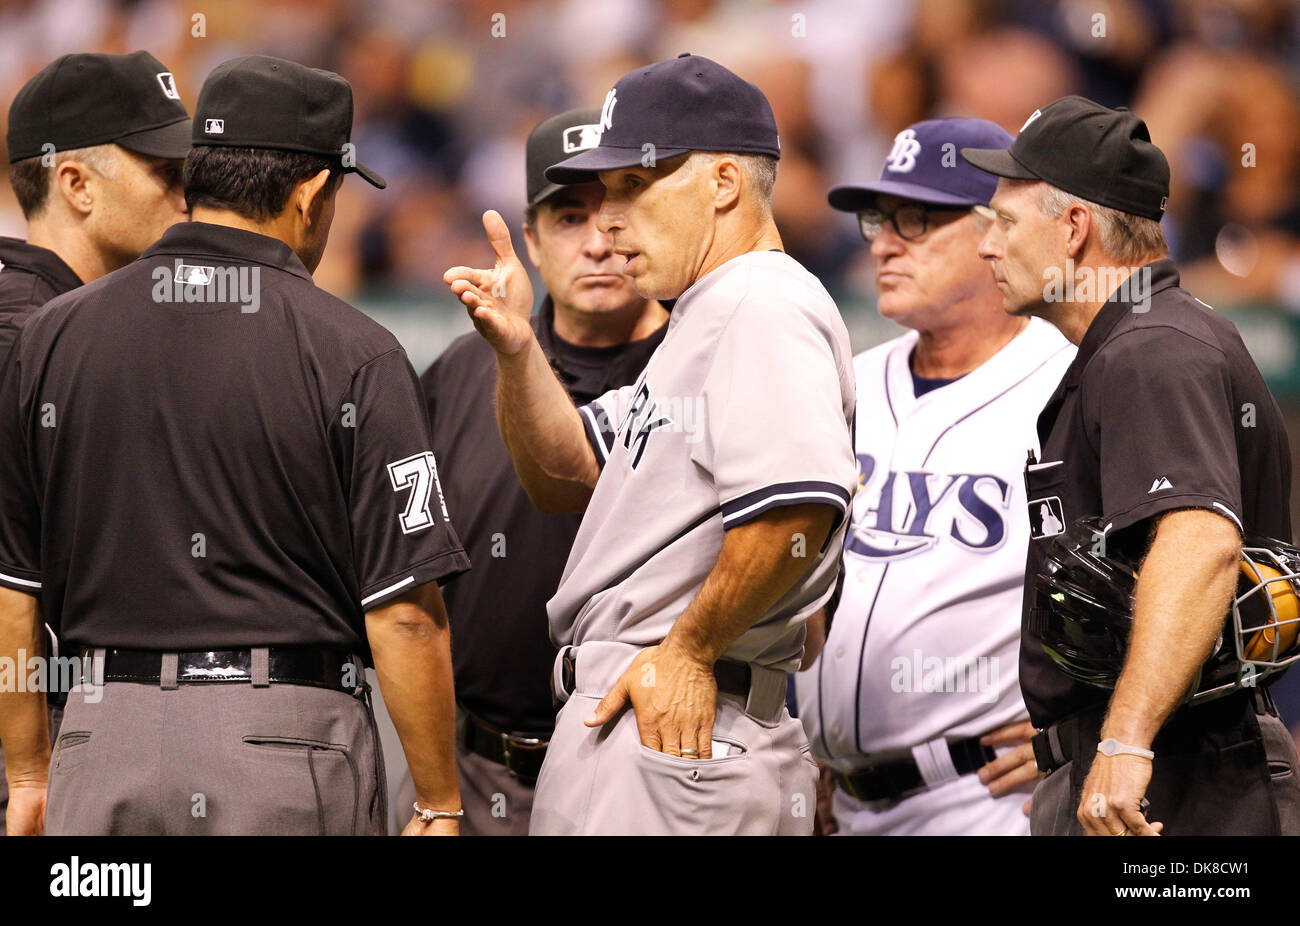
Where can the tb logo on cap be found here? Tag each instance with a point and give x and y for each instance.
(607, 111)
(168, 84)
(902, 157)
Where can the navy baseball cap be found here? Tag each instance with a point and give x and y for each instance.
(684, 104)
(1100, 154)
(262, 102)
(552, 141)
(924, 166)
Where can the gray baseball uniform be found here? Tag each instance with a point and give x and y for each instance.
(747, 405)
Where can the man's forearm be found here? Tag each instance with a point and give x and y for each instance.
(760, 561)
(1183, 592)
(543, 431)
(410, 640)
(24, 726)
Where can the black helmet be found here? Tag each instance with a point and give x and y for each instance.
(1083, 612)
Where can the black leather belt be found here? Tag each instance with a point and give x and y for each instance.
(520, 753)
(894, 777)
(733, 677)
(319, 667)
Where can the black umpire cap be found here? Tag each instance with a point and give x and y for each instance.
(83, 100)
(553, 140)
(684, 104)
(1081, 147)
(262, 102)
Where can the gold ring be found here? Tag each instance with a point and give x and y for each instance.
(690, 753)
(1123, 832)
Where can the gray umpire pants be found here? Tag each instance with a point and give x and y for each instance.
(56, 715)
(1054, 807)
(215, 759)
(603, 781)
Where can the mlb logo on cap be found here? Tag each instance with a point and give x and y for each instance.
(214, 126)
(581, 137)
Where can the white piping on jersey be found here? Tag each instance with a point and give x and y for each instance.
(27, 582)
(784, 495)
(595, 429)
(1229, 513)
(384, 591)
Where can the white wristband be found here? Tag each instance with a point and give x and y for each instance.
(1113, 747)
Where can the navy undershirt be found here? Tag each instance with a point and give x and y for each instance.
(921, 384)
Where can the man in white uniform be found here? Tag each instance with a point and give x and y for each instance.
(916, 688)
(715, 488)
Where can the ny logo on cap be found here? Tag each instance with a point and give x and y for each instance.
(902, 157)
(168, 83)
(214, 127)
(1032, 116)
(607, 111)
(581, 137)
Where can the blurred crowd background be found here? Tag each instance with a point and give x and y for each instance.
(447, 90)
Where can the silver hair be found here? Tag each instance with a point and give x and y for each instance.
(1130, 239)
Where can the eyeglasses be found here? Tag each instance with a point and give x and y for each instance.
(910, 221)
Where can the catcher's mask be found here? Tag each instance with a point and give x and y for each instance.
(1083, 612)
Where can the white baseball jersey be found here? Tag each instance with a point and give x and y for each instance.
(746, 405)
(924, 643)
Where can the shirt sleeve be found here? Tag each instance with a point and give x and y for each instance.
(775, 428)
(1167, 430)
(401, 531)
(600, 419)
(20, 517)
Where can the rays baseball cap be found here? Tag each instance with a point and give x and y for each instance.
(924, 165)
(553, 140)
(262, 102)
(1103, 155)
(83, 100)
(673, 107)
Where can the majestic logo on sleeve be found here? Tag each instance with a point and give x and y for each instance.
(915, 510)
(902, 157)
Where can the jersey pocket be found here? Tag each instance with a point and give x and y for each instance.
(315, 786)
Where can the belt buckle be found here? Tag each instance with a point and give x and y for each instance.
(508, 740)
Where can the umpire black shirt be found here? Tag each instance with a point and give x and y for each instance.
(1162, 408)
(30, 276)
(205, 451)
(501, 649)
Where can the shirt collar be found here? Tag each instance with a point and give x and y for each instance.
(41, 261)
(1162, 274)
(216, 241)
